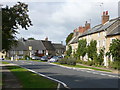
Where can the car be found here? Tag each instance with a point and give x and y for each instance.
(53, 59)
(44, 58)
(1, 58)
(36, 58)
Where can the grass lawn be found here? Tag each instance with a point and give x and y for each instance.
(31, 80)
(5, 62)
(80, 66)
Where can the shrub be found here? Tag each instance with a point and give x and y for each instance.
(115, 65)
(90, 63)
(71, 61)
(63, 61)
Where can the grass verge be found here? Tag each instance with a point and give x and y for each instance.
(31, 80)
(3, 62)
(80, 66)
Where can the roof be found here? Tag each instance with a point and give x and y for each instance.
(24, 45)
(58, 46)
(115, 31)
(36, 44)
(99, 28)
(48, 45)
(20, 46)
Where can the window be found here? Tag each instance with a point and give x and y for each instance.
(111, 40)
(104, 33)
(98, 43)
(99, 34)
(20, 52)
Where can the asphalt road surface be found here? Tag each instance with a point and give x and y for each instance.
(81, 78)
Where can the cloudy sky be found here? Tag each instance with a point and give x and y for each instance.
(56, 19)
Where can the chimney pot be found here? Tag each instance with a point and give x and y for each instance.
(106, 12)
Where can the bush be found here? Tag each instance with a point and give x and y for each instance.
(63, 61)
(115, 65)
(90, 63)
(71, 61)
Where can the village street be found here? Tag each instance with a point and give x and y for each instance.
(81, 78)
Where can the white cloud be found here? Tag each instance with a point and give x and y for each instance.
(57, 19)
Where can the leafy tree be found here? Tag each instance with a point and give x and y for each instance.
(92, 49)
(12, 19)
(69, 51)
(31, 38)
(114, 49)
(69, 38)
(82, 48)
(100, 57)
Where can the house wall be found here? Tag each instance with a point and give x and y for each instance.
(2, 55)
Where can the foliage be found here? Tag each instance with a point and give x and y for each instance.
(68, 61)
(92, 49)
(82, 47)
(69, 51)
(114, 49)
(69, 37)
(12, 19)
(115, 65)
(100, 58)
(31, 38)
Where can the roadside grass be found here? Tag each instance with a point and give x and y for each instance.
(31, 80)
(80, 66)
(3, 62)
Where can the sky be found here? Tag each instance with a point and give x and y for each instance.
(56, 19)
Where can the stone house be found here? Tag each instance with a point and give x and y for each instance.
(103, 33)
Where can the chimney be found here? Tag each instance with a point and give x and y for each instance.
(46, 39)
(105, 17)
(87, 26)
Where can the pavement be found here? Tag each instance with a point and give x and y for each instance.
(8, 79)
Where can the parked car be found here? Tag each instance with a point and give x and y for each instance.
(1, 58)
(44, 58)
(54, 59)
(36, 58)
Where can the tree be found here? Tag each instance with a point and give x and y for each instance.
(92, 49)
(100, 56)
(82, 45)
(12, 19)
(69, 51)
(31, 38)
(114, 49)
(69, 38)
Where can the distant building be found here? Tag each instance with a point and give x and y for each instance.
(59, 48)
(34, 48)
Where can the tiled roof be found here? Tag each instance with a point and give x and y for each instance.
(115, 31)
(97, 28)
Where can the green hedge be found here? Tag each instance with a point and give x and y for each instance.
(69, 61)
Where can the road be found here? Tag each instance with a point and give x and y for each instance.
(81, 78)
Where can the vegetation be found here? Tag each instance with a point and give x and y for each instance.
(31, 80)
(31, 38)
(82, 47)
(69, 51)
(92, 49)
(12, 19)
(114, 51)
(69, 38)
